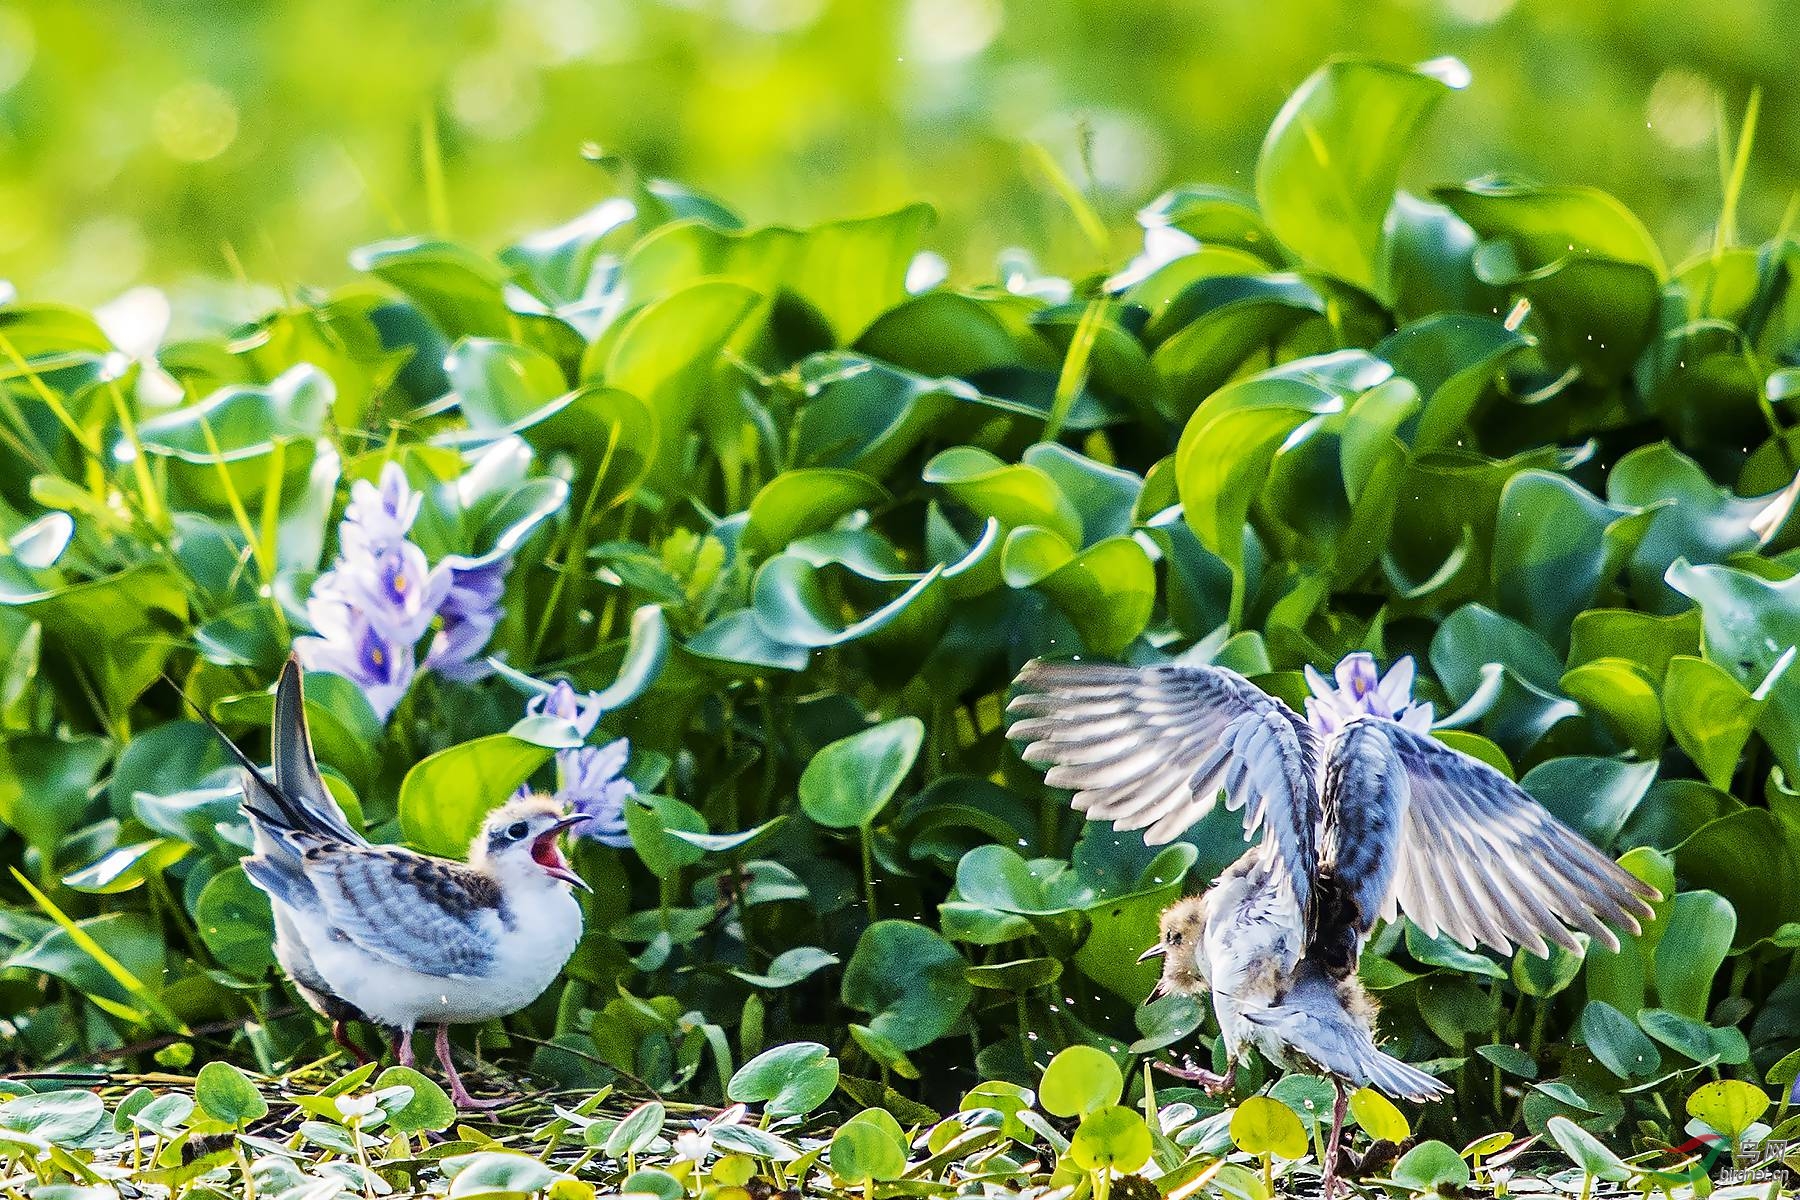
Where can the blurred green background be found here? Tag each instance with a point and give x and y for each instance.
(174, 142)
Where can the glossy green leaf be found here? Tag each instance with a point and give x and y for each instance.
(1749, 624)
(1694, 943)
(910, 981)
(1710, 715)
(792, 1080)
(1107, 590)
(234, 920)
(1624, 697)
(225, 1094)
(1114, 1138)
(1376, 1115)
(427, 1110)
(1430, 1166)
(1586, 1151)
(849, 271)
(796, 503)
(1730, 1106)
(499, 384)
(1326, 175)
(850, 781)
(445, 797)
(1617, 1042)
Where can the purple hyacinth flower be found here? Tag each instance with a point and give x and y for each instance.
(380, 596)
(379, 516)
(565, 702)
(396, 588)
(1361, 690)
(471, 611)
(349, 644)
(589, 782)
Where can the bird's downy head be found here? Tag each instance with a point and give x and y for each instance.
(1179, 945)
(518, 841)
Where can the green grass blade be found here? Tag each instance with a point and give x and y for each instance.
(121, 974)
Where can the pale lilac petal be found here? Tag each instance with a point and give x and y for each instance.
(1357, 676)
(589, 782)
(1361, 690)
(1419, 717)
(1321, 687)
(582, 710)
(1395, 688)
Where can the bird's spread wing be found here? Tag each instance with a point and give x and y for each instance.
(424, 914)
(1152, 748)
(1364, 801)
(1482, 861)
(296, 771)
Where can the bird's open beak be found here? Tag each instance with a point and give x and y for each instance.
(1156, 951)
(546, 854)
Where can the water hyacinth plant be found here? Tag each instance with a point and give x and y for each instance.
(371, 609)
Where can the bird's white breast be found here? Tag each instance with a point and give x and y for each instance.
(545, 926)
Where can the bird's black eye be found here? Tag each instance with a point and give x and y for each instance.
(1174, 939)
(516, 831)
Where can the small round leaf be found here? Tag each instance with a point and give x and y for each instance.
(1378, 1117)
(226, 1094)
(793, 1079)
(1265, 1126)
(1079, 1081)
(864, 1150)
(1728, 1105)
(1430, 1165)
(850, 781)
(1113, 1138)
(429, 1110)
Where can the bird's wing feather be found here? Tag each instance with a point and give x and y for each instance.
(1152, 748)
(1482, 861)
(424, 914)
(1364, 801)
(296, 770)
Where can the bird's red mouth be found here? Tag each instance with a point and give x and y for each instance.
(546, 854)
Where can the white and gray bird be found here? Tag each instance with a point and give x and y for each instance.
(398, 938)
(1363, 816)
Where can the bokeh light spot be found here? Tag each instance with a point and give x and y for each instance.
(18, 46)
(951, 30)
(1478, 12)
(195, 121)
(1680, 108)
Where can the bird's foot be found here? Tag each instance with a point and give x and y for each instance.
(459, 1095)
(1211, 1082)
(462, 1100)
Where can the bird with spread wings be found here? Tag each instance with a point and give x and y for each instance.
(1363, 816)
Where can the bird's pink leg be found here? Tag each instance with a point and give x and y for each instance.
(1329, 1183)
(403, 1048)
(1214, 1083)
(459, 1095)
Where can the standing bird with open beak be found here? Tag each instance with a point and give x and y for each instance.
(396, 937)
(1363, 815)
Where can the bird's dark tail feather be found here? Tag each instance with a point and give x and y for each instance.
(296, 770)
(263, 801)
